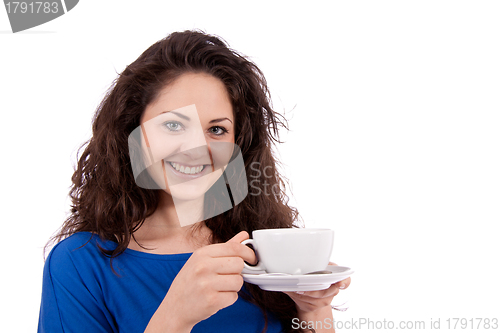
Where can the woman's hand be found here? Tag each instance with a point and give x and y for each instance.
(209, 281)
(312, 301)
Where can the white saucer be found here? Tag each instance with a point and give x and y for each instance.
(308, 282)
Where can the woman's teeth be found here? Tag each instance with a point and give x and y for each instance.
(187, 170)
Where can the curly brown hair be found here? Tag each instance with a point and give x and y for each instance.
(107, 201)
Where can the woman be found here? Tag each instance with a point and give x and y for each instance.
(153, 240)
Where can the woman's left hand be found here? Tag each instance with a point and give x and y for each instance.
(310, 301)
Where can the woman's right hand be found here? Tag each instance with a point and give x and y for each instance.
(209, 281)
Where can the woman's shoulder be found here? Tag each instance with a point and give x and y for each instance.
(81, 248)
(81, 242)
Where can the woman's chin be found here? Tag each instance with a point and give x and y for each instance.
(181, 195)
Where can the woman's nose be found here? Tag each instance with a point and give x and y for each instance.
(195, 145)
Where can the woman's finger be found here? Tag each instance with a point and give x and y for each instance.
(317, 294)
(239, 237)
(230, 282)
(230, 249)
(344, 283)
(227, 265)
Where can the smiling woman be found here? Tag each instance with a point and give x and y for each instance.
(153, 242)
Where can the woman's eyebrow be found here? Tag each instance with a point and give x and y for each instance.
(180, 115)
(218, 120)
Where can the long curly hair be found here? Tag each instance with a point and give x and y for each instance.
(107, 201)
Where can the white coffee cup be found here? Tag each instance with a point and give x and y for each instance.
(291, 250)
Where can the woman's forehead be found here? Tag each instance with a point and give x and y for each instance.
(207, 93)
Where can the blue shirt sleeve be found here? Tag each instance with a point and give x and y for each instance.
(69, 302)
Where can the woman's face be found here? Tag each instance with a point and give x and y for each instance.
(189, 134)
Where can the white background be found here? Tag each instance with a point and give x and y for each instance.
(394, 139)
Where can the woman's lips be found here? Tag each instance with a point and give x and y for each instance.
(187, 171)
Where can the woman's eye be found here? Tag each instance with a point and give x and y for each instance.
(173, 126)
(218, 130)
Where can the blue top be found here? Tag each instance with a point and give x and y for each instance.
(82, 294)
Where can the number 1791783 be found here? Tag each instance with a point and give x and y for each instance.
(33, 7)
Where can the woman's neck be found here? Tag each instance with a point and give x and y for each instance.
(173, 228)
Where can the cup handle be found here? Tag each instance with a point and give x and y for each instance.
(260, 265)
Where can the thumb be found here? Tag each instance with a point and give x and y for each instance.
(239, 237)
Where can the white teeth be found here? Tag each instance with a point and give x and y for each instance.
(187, 170)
